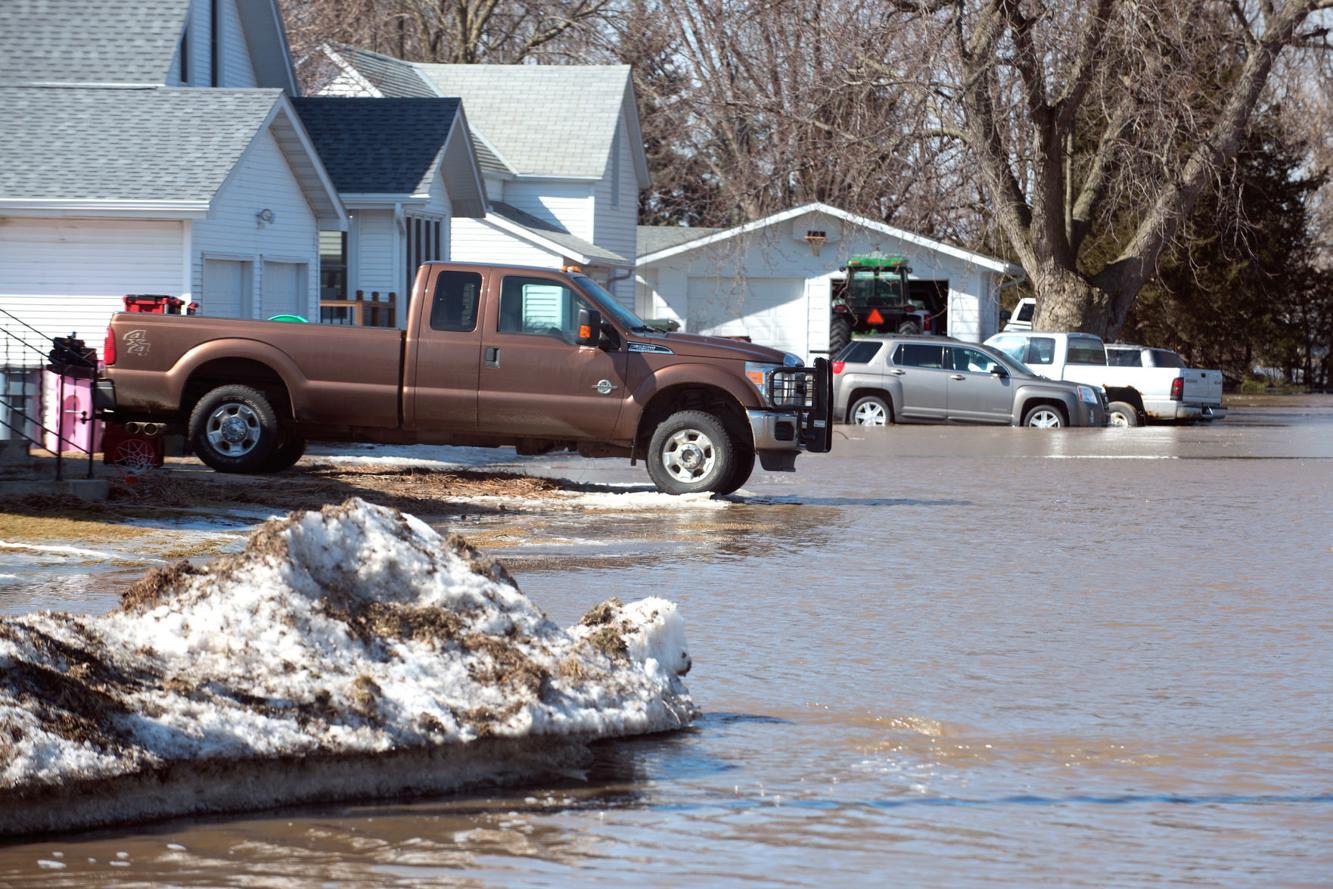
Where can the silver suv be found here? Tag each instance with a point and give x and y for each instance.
(935, 379)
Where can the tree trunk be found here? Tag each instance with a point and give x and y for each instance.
(1067, 302)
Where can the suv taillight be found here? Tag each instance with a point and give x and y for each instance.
(1177, 388)
(838, 366)
(109, 348)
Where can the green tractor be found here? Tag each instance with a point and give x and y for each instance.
(874, 297)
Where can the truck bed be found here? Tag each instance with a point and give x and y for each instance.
(335, 372)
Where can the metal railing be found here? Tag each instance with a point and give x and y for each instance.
(16, 335)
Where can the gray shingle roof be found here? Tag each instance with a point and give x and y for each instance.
(89, 41)
(124, 144)
(556, 234)
(556, 120)
(553, 120)
(652, 238)
(378, 146)
(487, 159)
(394, 78)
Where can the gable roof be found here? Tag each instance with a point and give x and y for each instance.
(683, 246)
(152, 148)
(124, 41)
(350, 135)
(89, 41)
(387, 77)
(556, 121)
(654, 238)
(552, 237)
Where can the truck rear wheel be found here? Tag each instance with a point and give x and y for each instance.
(691, 452)
(1122, 413)
(839, 334)
(234, 429)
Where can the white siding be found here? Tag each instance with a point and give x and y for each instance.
(68, 275)
(567, 204)
(234, 68)
(616, 211)
(200, 43)
(378, 265)
(440, 207)
(475, 240)
(261, 180)
(770, 311)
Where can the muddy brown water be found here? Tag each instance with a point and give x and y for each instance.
(952, 657)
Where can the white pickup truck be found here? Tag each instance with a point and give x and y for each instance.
(1154, 388)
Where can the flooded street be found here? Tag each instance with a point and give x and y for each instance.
(936, 656)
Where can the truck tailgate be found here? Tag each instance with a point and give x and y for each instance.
(1202, 386)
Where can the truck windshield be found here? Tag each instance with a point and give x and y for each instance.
(608, 304)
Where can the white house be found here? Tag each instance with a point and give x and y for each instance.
(152, 147)
(406, 172)
(560, 152)
(772, 279)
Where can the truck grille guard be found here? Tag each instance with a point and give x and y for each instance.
(809, 392)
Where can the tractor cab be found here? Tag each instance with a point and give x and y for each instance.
(875, 297)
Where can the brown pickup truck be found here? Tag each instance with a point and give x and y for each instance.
(532, 358)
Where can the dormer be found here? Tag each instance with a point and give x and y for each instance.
(234, 44)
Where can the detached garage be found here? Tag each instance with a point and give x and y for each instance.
(773, 280)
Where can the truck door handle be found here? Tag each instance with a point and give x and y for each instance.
(897, 371)
(492, 356)
(957, 377)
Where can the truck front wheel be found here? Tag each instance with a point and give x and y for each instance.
(691, 452)
(234, 429)
(1123, 413)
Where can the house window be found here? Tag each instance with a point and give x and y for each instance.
(424, 241)
(185, 56)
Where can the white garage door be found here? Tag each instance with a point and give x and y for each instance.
(63, 275)
(770, 311)
(284, 290)
(227, 284)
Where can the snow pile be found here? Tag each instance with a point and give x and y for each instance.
(344, 653)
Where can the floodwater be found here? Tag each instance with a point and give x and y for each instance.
(937, 656)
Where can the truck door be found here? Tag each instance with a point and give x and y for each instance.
(447, 350)
(535, 379)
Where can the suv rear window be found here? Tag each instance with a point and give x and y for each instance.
(859, 352)
(919, 355)
(1085, 350)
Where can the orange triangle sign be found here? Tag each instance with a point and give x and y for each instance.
(874, 317)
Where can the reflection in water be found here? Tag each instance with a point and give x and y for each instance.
(937, 656)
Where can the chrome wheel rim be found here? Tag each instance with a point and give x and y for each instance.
(1044, 419)
(233, 429)
(1118, 419)
(870, 414)
(689, 455)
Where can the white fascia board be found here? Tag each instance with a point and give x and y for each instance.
(979, 259)
(364, 201)
(477, 183)
(95, 208)
(630, 111)
(283, 107)
(350, 69)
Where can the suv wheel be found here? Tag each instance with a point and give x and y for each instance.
(871, 410)
(1044, 416)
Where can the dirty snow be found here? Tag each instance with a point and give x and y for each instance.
(335, 637)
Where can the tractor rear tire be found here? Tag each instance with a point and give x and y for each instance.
(839, 334)
(909, 328)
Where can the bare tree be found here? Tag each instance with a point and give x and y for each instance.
(1078, 113)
